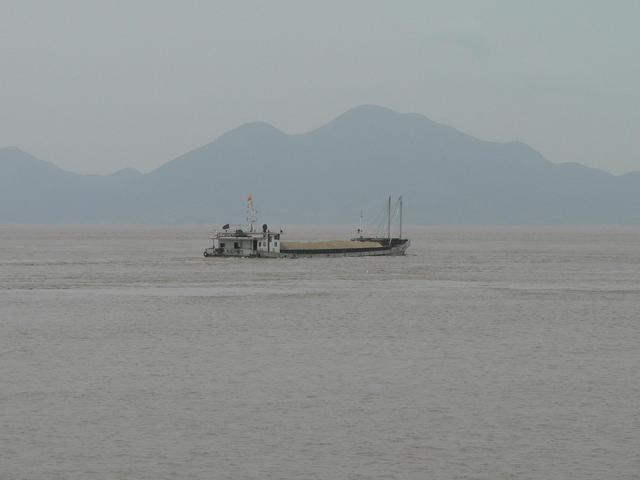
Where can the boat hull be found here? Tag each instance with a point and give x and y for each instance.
(394, 250)
(354, 252)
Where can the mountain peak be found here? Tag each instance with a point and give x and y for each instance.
(368, 115)
(369, 109)
(127, 172)
(365, 114)
(14, 156)
(13, 152)
(256, 129)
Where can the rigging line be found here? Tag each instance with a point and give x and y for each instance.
(395, 210)
(380, 220)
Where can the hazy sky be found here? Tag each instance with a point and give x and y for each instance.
(95, 86)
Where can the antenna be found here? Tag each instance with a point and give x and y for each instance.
(400, 234)
(252, 214)
(389, 220)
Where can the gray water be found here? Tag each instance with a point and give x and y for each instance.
(483, 354)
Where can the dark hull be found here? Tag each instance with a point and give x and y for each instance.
(396, 248)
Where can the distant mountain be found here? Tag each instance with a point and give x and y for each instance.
(326, 176)
(35, 191)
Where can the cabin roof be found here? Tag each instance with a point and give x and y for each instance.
(243, 235)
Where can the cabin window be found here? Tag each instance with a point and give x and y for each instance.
(277, 236)
(221, 244)
(275, 244)
(236, 245)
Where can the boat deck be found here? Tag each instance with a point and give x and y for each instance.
(328, 245)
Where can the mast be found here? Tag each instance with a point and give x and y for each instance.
(400, 200)
(360, 230)
(251, 213)
(389, 220)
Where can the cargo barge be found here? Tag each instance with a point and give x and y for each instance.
(247, 242)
